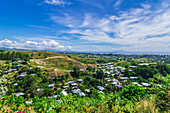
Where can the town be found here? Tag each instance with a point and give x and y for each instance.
(55, 76)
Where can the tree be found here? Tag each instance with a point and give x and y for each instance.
(76, 71)
(3, 67)
(32, 54)
(89, 68)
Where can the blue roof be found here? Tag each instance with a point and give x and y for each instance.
(119, 86)
(71, 83)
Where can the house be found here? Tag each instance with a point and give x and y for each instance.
(119, 86)
(114, 80)
(124, 79)
(87, 91)
(76, 91)
(13, 63)
(146, 84)
(118, 67)
(30, 68)
(133, 78)
(143, 64)
(18, 66)
(5, 72)
(40, 90)
(15, 84)
(74, 87)
(130, 70)
(94, 73)
(87, 70)
(74, 84)
(107, 73)
(64, 93)
(51, 86)
(107, 78)
(20, 94)
(13, 70)
(33, 74)
(101, 92)
(60, 101)
(28, 102)
(55, 96)
(22, 75)
(70, 82)
(64, 87)
(81, 94)
(79, 80)
(82, 70)
(114, 83)
(152, 63)
(100, 88)
(132, 67)
(136, 83)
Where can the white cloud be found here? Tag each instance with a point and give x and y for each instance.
(33, 45)
(57, 2)
(118, 3)
(137, 29)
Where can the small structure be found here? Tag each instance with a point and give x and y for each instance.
(130, 70)
(51, 86)
(20, 94)
(33, 74)
(15, 84)
(143, 64)
(87, 91)
(64, 87)
(79, 80)
(40, 90)
(133, 78)
(64, 93)
(74, 84)
(28, 102)
(5, 72)
(60, 101)
(114, 83)
(100, 88)
(132, 67)
(114, 80)
(94, 73)
(13, 70)
(55, 96)
(22, 75)
(87, 70)
(119, 86)
(101, 92)
(82, 70)
(145, 84)
(136, 83)
(18, 66)
(124, 79)
(81, 94)
(76, 91)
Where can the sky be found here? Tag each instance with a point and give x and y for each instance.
(86, 25)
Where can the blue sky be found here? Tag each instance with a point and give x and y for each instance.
(86, 25)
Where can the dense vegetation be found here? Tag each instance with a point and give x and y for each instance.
(14, 56)
(103, 96)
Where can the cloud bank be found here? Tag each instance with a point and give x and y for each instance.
(57, 2)
(137, 29)
(33, 45)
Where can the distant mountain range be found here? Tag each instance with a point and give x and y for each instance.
(113, 52)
